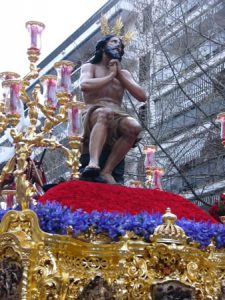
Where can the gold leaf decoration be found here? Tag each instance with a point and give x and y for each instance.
(127, 37)
(118, 25)
(104, 26)
(116, 30)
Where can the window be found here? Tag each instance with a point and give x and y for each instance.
(144, 65)
(147, 12)
(143, 113)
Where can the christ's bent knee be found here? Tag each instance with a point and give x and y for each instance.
(130, 127)
(135, 129)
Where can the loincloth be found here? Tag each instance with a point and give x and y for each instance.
(113, 133)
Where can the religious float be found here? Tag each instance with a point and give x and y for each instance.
(84, 240)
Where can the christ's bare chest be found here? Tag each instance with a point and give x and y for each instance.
(114, 85)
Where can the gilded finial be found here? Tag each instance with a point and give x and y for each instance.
(168, 217)
(169, 232)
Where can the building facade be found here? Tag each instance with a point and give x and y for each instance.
(186, 90)
(178, 56)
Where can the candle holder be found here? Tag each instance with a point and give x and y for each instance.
(149, 162)
(13, 105)
(74, 130)
(156, 178)
(149, 151)
(64, 70)
(149, 176)
(49, 84)
(4, 77)
(57, 107)
(153, 177)
(8, 75)
(35, 29)
(135, 184)
(221, 119)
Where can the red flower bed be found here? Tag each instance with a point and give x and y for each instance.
(218, 209)
(91, 196)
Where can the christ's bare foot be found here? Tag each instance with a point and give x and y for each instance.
(109, 178)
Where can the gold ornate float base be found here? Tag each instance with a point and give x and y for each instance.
(37, 265)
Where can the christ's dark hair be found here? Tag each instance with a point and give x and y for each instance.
(100, 47)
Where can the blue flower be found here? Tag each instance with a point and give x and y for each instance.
(55, 219)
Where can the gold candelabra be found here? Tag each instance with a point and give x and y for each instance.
(57, 105)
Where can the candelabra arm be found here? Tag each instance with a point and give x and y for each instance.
(7, 170)
(19, 164)
(16, 136)
(32, 105)
(24, 189)
(73, 155)
(50, 143)
(68, 155)
(23, 95)
(33, 74)
(36, 92)
(149, 177)
(45, 111)
(3, 122)
(25, 83)
(62, 116)
(51, 120)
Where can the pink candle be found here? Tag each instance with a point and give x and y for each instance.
(49, 90)
(149, 156)
(222, 122)
(64, 70)
(34, 36)
(65, 83)
(14, 97)
(11, 92)
(35, 29)
(74, 121)
(51, 93)
(156, 180)
(8, 75)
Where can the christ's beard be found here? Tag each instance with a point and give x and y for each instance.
(113, 53)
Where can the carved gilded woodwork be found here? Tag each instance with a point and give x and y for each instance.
(47, 266)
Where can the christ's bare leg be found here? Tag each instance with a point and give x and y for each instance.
(100, 120)
(130, 130)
